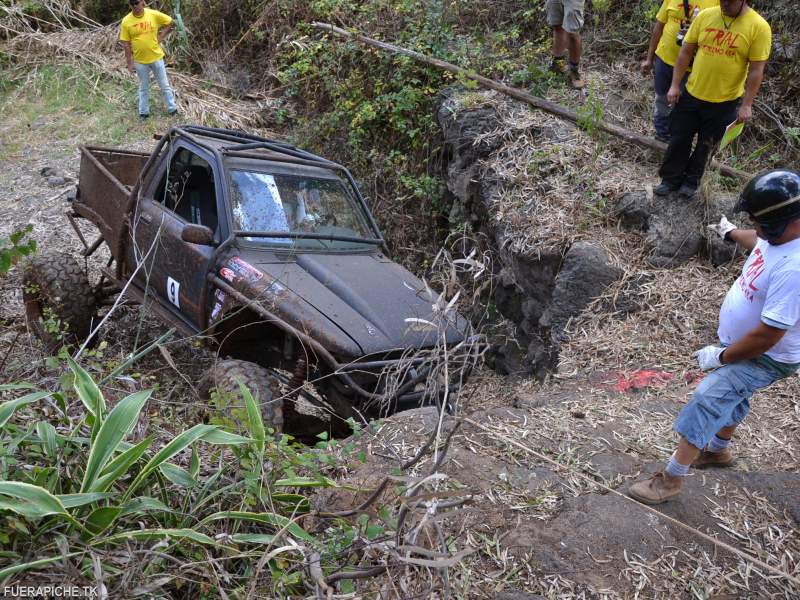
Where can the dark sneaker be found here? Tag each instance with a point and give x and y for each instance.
(559, 65)
(687, 190)
(723, 458)
(664, 189)
(173, 112)
(143, 116)
(659, 488)
(575, 79)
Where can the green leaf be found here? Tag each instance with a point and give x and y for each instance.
(254, 420)
(7, 409)
(306, 482)
(194, 463)
(115, 427)
(88, 392)
(10, 387)
(74, 500)
(160, 534)
(145, 504)
(102, 518)
(120, 465)
(277, 521)
(180, 443)
(38, 499)
(225, 438)
(253, 538)
(34, 564)
(47, 433)
(177, 475)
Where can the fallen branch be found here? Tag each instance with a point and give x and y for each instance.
(540, 103)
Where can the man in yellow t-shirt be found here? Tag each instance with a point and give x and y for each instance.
(672, 20)
(730, 46)
(141, 32)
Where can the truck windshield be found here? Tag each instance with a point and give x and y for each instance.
(315, 213)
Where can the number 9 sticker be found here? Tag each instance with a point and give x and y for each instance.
(174, 291)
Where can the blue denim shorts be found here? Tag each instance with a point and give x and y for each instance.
(723, 399)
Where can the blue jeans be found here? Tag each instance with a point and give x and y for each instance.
(723, 399)
(662, 80)
(160, 71)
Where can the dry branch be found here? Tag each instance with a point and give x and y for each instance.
(540, 103)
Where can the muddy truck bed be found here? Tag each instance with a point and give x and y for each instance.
(104, 191)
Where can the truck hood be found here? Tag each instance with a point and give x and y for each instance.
(377, 303)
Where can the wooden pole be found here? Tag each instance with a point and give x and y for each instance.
(540, 103)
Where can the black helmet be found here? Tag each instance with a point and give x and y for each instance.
(772, 199)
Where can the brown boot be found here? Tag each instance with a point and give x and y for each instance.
(659, 488)
(723, 458)
(575, 79)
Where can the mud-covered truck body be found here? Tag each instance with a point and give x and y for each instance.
(270, 254)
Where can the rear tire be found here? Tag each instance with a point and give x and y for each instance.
(60, 304)
(224, 377)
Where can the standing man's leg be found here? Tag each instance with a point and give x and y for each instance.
(684, 124)
(714, 118)
(662, 79)
(572, 24)
(160, 71)
(719, 404)
(143, 73)
(555, 16)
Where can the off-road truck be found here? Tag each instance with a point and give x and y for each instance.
(269, 254)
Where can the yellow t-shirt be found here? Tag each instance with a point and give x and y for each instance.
(142, 33)
(671, 14)
(724, 52)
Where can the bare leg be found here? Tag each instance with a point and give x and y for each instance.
(726, 433)
(574, 40)
(686, 454)
(559, 41)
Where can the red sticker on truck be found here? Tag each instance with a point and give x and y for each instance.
(244, 269)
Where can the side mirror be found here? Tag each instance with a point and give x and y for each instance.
(198, 234)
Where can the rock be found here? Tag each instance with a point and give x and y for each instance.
(585, 274)
(673, 226)
(51, 172)
(55, 181)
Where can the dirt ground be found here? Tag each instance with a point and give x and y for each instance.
(530, 482)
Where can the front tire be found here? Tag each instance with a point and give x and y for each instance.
(224, 377)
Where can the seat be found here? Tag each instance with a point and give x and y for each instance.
(197, 203)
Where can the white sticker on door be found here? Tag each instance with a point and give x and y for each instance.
(173, 291)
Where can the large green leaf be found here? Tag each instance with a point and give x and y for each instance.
(275, 520)
(88, 392)
(36, 498)
(120, 464)
(7, 408)
(255, 423)
(115, 427)
(75, 500)
(7, 387)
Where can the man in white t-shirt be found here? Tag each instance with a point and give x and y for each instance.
(759, 331)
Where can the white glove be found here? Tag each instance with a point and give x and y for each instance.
(708, 357)
(723, 228)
